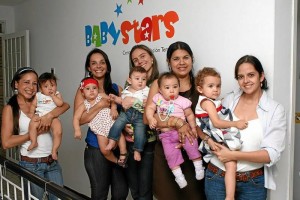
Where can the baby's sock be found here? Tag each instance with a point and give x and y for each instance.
(199, 169)
(179, 177)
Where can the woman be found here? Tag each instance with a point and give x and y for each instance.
(15, 126)
(102, 173)
(263, 139)
(180, 60)
(139, 173)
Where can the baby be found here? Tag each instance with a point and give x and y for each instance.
(45, 101)
(168, 103)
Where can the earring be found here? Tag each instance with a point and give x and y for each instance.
(15, 91)
(261, 84)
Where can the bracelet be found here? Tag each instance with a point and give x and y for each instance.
(181, 125)
(168, 125)
(206, 138)
(176, 122)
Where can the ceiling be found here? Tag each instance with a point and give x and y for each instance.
(10, 2)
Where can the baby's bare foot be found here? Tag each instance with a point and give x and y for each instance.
(32, 146)
(137, 156)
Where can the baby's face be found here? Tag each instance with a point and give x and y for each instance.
(90, 91)
(169, 88)
(137, 80)
(48, 88)
(211, 87)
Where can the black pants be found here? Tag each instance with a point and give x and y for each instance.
(102, 174)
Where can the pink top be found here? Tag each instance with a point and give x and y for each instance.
(174, 107)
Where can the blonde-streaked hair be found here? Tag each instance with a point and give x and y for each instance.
(205, 72)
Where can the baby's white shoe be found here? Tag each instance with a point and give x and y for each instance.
(181, 181)
(200, 174)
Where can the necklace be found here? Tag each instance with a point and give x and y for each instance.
(165, 110)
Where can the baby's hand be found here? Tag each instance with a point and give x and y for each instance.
(241, 124)
(77, 135)
(212, 145)
(114, 114)
(152, 123)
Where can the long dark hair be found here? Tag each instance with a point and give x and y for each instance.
(155, 72)
(13, 101)
(256, 64)
(107, 79)
(184, 46)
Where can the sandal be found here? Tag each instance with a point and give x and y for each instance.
(123, 162)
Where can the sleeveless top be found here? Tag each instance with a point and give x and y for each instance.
(44, 140)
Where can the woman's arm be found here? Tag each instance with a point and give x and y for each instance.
(225, 155)
(190, 117)
(87, 117)
(8, 138)
(46, 120)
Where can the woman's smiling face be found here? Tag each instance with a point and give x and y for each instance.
(98, 66)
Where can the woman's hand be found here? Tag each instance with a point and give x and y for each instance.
(104, 103)
(223, 153)
(127, 102)
(184, 132)
(45, 122)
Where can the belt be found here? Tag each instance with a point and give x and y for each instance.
(240, 176)
(91, 147)
(47, 159)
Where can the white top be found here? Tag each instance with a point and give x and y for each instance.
(44, 140)
(140, 94)
(251, 137)
(45, 104)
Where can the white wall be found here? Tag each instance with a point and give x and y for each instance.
(219, 32)
(7, 15)
(297, 127)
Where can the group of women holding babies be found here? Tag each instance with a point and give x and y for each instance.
(241, 137)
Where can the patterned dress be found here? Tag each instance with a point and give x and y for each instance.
(102, 122)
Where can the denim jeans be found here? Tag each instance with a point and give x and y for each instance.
(50, 172)
(103, 174)
(252, 189)
(134, 117)
(140, 173)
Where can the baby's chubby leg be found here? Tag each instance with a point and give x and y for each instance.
(33, 132)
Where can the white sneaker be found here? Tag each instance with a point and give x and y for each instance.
(181, 181)
(200, 174)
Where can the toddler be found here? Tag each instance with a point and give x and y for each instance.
(168, 103)
(137, 88)
(216, 122)
(45, 101)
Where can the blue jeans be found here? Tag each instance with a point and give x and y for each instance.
(50, 172)
(252, 189)
(140, 173)
(103, 174)
(134, 117)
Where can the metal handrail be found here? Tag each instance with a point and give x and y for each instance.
(57, 190)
